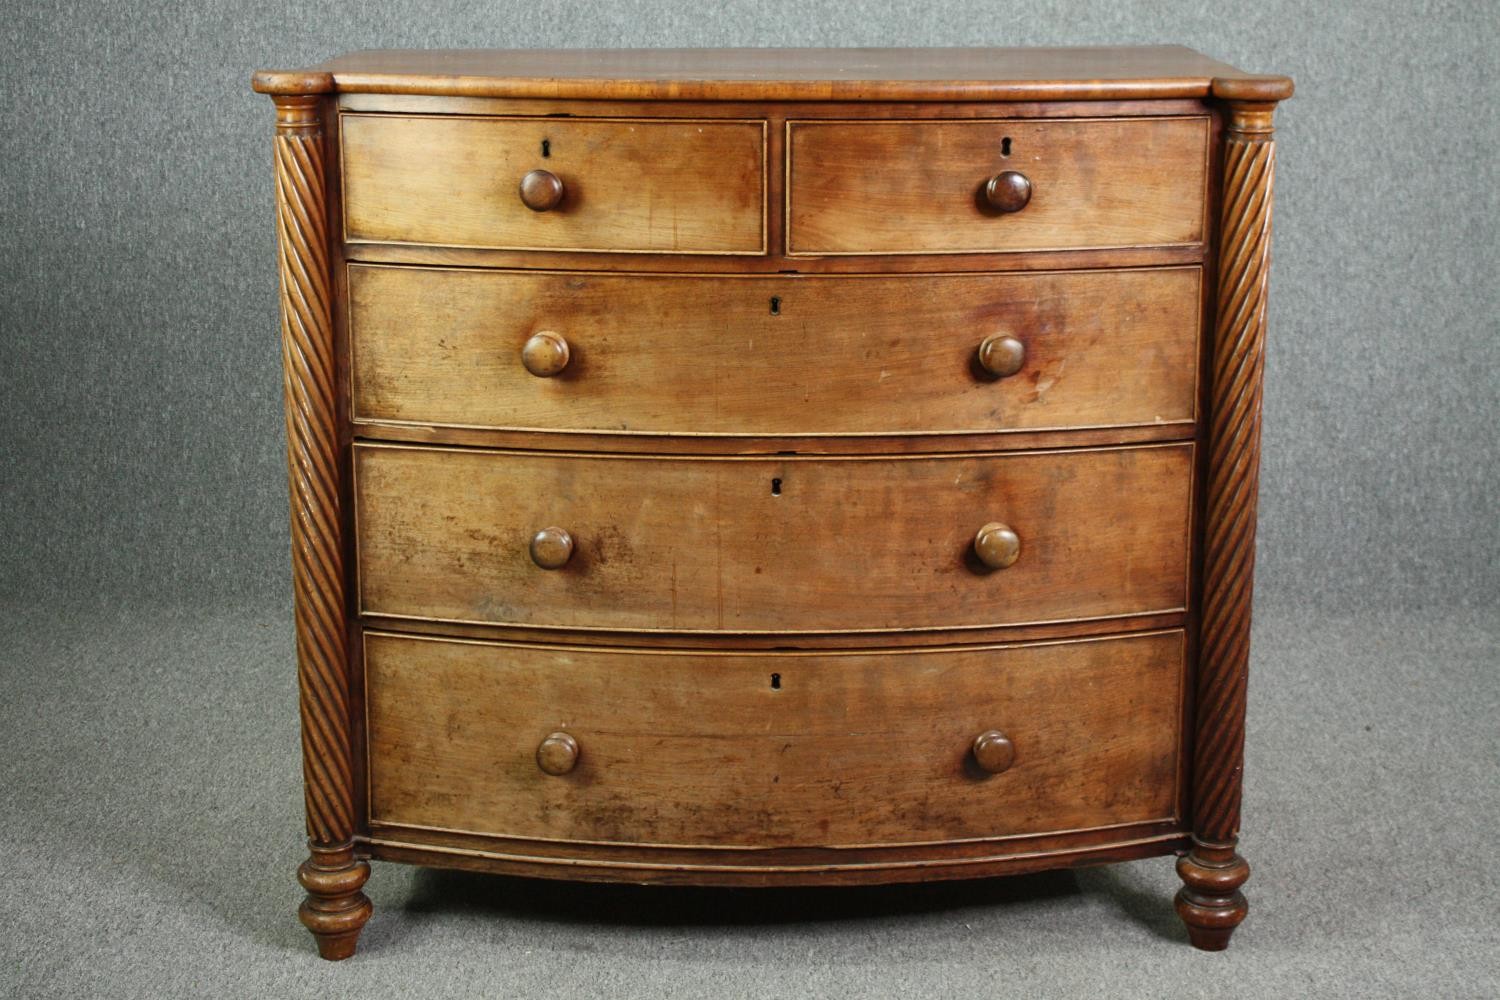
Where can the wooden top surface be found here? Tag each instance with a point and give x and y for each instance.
(958, 74)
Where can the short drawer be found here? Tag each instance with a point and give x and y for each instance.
(625, 185)
(772, 749)
(918, 187)
(783, 544)
(774, 354)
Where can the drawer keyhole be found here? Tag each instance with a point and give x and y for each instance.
(776, 487)
(1005, 146)
(547, 147)
(775, 682)
(775, 305)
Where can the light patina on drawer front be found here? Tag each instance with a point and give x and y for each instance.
(783, 544)
(658, 186)
(995, 186)
(774, 354)
(772, 749)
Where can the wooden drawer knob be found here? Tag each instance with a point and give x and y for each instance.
(1007, 191)
(993, 751)
(551, 548)
(541, 190)
(545, 354)
(1002, 355)
(557, 754)
(997, 546)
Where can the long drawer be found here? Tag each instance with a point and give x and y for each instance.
(780, 544)
(925, 186)
(772, 749)
(774, 355)
(621, 185)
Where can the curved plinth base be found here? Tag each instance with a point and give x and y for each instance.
(335, 909)
(1210, 902)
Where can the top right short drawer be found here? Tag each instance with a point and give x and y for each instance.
(995, 186)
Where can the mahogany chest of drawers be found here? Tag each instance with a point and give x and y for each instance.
(765, 467)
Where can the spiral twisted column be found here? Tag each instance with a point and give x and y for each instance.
(1210, 902)
(335, 908)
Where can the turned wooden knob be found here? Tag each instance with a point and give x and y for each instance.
(1002, 355)
(541, 190)
(558, 754)
(545, 354)
(1007, 191)
(551, 548)
(997, 546)
(993, 751)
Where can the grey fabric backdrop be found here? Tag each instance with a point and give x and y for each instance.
(139, 383)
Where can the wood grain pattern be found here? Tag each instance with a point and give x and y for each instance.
(765, 645)
(1233, 477)
(775, 355)
(335, 909)
(772, 749)
(768, 74)
(629, 186)
(1081, 628)
(776, 866)
(717, 444)
(915, 187)
(1229, 529)
(783, 544)
(776, 263)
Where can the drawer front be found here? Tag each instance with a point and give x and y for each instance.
(641, 186)
(774, 749)
(774, 355)
(779, 544)
(919, 187)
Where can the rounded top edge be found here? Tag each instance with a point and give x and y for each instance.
(1252, 88)
(292, 82)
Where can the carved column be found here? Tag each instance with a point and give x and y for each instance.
(335, 909)
(1210, 902)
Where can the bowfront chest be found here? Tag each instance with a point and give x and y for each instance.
(770, 467)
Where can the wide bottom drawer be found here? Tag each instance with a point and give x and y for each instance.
(774, 749)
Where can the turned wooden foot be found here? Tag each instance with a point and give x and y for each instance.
(335, 909)
(1210, 901)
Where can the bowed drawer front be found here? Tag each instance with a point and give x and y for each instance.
(772, 468)
(971, 186)
(767, 355)
(615, 185)
(771, 545)
(772, 749)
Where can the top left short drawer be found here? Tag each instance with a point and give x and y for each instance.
(621, 185)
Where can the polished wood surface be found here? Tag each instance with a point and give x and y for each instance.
(993, 751)
(713, 750)
(1211, 903)
(773, 355)
(997, 545)
(541, 190)
(920, 186)
(771, 545)
(335, 908)
(808, 478)
(1009, 190)
(874, 74)
(646, 864)
(551, 548)
(634, 186)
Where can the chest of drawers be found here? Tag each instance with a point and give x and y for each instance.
(766, 467)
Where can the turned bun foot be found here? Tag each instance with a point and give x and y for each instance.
(335, 909)
(1210, 902)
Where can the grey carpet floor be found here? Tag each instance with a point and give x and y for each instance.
(149, 791)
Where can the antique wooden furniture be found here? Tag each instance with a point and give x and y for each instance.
(772, 467)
